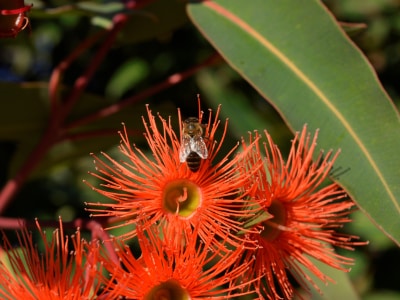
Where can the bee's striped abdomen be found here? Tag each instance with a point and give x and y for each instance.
(193, 161)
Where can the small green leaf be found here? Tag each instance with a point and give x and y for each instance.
(100, 8)
(126, 77)
(258, 218)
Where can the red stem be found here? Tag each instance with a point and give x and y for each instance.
(13, 185)
(13, 223)
(95, 227)
(58, 117)
(137, 4)
(55, 78)
(6, 12)
(170, 81)
(82, 81)
(99, 233)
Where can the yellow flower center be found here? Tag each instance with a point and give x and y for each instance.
(168, 290)
(181, 197)
(273, 227)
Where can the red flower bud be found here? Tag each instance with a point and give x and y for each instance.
(13, 17)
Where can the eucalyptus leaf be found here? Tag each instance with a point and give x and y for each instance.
(295, 54)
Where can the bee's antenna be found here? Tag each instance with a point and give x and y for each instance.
(199, 107)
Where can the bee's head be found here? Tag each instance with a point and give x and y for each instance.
(192, 125)
(191, 120)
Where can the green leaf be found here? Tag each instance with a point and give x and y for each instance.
(340, 289)
(126, 77)
(257, 219)
(88, 8)
(100, 8)
(297, 56)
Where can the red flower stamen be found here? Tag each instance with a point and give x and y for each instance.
(305, 217)
(162, 190)
(57, 273)
(166, 270)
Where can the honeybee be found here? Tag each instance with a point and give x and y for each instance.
(193, 148)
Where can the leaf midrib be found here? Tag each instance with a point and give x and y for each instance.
(285, 60)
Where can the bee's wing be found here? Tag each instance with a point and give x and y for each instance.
(185, 148)
(198, 145)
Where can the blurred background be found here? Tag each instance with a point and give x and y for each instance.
(144, 55)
